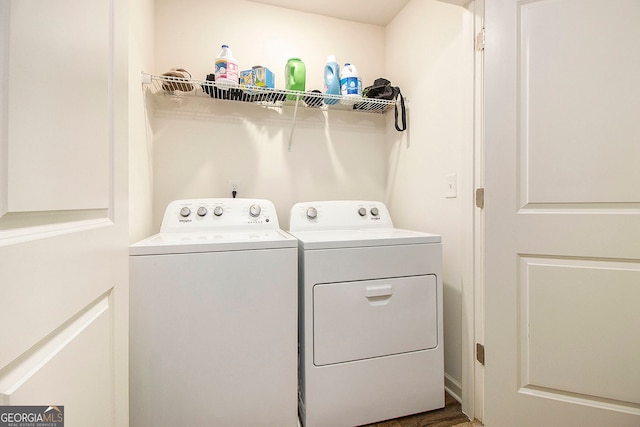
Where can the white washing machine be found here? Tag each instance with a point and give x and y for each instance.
(213, 335)
(370, 318)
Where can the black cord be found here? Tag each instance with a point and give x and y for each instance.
(233, 193)
(404, 114)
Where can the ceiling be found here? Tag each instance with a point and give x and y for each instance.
(377, 12)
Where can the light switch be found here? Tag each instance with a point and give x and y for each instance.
(451, 190)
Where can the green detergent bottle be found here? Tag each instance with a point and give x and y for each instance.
(295, 74)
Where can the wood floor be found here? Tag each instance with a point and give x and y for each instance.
(448, 416)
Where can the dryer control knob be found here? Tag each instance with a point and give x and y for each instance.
(254, 211)
(217, 211)
(185, 212)
(202, 211)
(375, 211)
(362, 211)
(312, 213)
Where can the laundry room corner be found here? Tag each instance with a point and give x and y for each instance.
(434, 154)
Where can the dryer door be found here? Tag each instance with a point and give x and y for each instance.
(373, 318)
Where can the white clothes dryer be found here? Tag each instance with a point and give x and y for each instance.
(213, 337)
(370, 317)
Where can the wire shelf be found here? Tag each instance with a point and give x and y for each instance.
(265, 97)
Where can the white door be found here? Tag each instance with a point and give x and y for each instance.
(562, 206)
(63, 218)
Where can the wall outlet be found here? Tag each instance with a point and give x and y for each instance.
(234, 186)
(451, 182)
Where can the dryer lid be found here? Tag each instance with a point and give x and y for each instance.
(332, 239)
(339, 215)
(349, 223)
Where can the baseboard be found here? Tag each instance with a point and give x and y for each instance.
(453, 387)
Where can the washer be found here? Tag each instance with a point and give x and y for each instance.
(370, 318)
(213, 335)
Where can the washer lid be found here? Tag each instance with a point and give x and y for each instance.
(182, 243)
(332, 239)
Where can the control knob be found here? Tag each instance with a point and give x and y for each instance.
(375, 211)
(185, 212)
(254, 211)
(362, 211)
(217, 211)
(312, 213)
(202, 211)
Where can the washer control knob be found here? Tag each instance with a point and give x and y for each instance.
(217, 211)
(362, 211)
(254, 211)
(312, 213)
(185, 212)
(375, 211)
(202, 211)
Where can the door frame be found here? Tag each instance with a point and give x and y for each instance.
(473, 225)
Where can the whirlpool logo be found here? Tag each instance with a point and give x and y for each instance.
(31, 416)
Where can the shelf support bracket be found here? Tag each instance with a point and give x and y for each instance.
(293, 125)
(145, 78)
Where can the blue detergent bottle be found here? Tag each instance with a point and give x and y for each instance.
(331, 79)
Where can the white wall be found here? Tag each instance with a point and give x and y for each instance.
(338, 156)
(437, 79)
(141, 43)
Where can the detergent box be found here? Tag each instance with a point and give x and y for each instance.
(263, 77)
(246, 78)
(257, 76)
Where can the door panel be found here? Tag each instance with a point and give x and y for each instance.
(574, 313)
(58, 105)
(48, 377)
(578, 101)
(562, 216)
(63, 190)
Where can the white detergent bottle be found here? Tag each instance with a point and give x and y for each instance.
(350, 84)
(226, 68)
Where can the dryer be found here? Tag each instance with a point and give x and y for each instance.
(213, 309)
(370, 316)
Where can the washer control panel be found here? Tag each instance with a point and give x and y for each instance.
(211, 214)
(339, 215)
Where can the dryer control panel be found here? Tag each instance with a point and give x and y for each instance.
(192, 215)
(339, 215)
